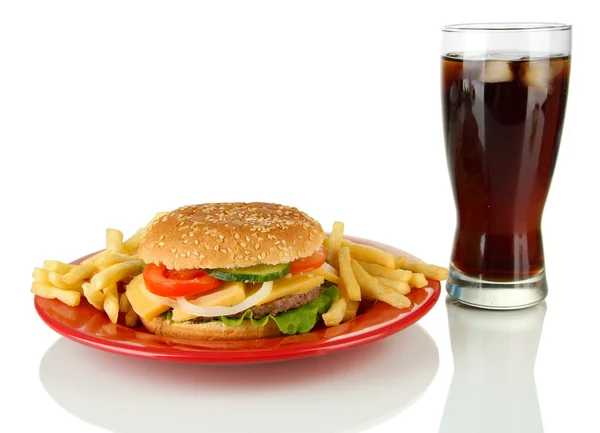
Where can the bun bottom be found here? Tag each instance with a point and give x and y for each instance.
(216, 330)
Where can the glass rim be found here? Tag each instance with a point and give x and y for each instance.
(507, 27)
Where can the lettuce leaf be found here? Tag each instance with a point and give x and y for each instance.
(296, 321)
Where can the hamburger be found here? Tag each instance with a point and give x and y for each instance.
(232, 271)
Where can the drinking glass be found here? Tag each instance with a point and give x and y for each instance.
(504, 94)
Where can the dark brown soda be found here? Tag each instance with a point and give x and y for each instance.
(502, 124)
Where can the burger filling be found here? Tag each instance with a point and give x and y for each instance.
(294, 295)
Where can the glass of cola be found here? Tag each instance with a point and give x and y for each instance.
(504, 95)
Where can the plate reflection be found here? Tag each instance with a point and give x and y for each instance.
(342, 392)
(493, 387)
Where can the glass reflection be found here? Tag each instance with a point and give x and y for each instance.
(493, 386)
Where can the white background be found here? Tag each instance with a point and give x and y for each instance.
(111, 111)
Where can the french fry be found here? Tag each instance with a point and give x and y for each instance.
(399, 286)
(111, 302)
(371, 287)
(347, 275)
(114, 240)
(430, 271)
(131, 318)
(48, 291)
(94, 297)
(418, 280)
(335, 241)
(335, 314)
(124, 304)
(351, 310)
(56, 280)
(115, 273)
(370, 254)
(40, 275)
(108, 259)
(79, 273)
(327, 275)
(133, 242)
(57, 266)
(395, 299)
(381, 271)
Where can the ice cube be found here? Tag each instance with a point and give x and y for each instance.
(539, 74)
(496, 71)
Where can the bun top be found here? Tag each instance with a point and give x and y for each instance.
(229, 235)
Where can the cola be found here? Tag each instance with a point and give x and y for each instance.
(502, 117)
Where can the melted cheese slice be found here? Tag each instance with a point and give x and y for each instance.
(292, 284)
(144, 306)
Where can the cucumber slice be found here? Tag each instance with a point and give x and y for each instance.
(251, 274)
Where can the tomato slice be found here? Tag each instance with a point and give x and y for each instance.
(164, 282)
(309, 263)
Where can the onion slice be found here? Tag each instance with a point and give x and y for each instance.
(250, 301)
(328, 268)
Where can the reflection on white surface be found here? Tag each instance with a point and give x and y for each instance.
(493, 387)
(343, 392)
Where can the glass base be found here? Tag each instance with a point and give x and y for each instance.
(495, 295)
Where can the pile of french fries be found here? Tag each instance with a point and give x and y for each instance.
(97, 278)
(368, 273)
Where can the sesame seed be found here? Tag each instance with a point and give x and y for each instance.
(254, 259)
(256, 246)
(173, 250)
(161, 237)
(188, 254)
(161, 244)
(243, 244)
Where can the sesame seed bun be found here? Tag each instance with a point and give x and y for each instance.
(216, 330)
(230, 235)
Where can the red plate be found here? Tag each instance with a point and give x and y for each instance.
(91, 327)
